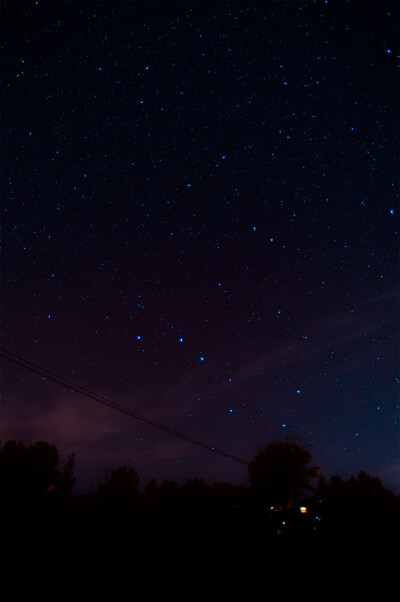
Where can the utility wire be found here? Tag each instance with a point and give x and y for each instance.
(86, 294)
(12, 357)
(177, 364)
(98, 305)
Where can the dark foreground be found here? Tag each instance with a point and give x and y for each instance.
(119, 550)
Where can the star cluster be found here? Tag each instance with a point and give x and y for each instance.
(200, 221)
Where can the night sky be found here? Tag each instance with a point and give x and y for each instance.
(200, 222)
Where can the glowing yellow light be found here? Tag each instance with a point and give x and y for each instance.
(303, 509)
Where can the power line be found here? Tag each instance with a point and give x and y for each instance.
(12, 357)
(86, 294)
(122, 322)
(97, 305)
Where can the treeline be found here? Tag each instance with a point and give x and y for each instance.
(288, 524)
(281, 480)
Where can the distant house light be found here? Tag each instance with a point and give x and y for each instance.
(303, 509)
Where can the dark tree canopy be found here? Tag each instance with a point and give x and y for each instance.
(121, 483)
(67, 478)
(358, 499)
(279, 473)
(28, 471)
(31, 472)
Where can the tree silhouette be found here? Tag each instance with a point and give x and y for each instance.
(28, 472)
(359, 505)
(279, 474)
(151, 488)
(121, 484)
(67, 479)
(195, 487)
(168, 486)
